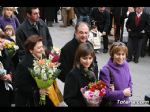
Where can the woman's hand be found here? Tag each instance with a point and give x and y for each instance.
(112, 87)
(6, 77)
(127, 92)
(43, 92)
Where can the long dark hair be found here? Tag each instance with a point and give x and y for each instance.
(83, 50)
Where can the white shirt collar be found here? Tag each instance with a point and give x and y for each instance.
(139, 14)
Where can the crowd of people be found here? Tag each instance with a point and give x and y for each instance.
(78, 63)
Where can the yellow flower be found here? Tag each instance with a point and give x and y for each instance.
(9, 45)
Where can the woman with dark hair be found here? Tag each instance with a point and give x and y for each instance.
(116, 75)
(27, 92)
(80, 76)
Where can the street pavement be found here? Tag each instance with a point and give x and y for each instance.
(140, 72)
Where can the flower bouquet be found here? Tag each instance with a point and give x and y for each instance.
(7, 83)
(54, 55)
(93, 93)
(44, 72)
(11, 48)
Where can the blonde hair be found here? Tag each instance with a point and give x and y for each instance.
(7, 8)
(10, 27)
(116, 47)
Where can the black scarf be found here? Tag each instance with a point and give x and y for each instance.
(89, 73)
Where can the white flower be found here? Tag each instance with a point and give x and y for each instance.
(51, 57)
(37, 70)
(96, 93)
(43, 71)
(16, 47)
(44, 76)
(2, 71)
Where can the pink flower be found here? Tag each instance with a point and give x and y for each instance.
(102, 92)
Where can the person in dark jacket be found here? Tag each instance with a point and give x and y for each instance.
(136, 26)
(10, 36)
(78, 77)
(6, 75)
(32, 25)
(27, 93)
(119, 14)
(116, 74)
(49, 14)
(68, 51)
(21, 14)
(147, 38)
(102, 19)
(1, 8)
(83, 14)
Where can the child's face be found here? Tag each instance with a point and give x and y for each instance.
(9, 32)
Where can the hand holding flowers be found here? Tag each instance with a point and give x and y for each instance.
(6, 77)
(94, 92)
(11, 47)
(45, 72)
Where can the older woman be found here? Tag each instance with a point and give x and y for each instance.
(27, 92)
(116, 75)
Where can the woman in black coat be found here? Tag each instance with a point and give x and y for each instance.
(80, 76)
(27, 91)
(6, 94)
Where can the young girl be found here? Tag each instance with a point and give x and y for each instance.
(10, 37)
(95, 37)
(80, 76)
(10, 33)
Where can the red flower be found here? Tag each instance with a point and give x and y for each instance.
(92, 89)
(55, 57)
(101, 94)
(99, 85)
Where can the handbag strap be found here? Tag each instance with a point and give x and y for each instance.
(111, 76)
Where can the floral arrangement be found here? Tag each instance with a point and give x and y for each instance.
(7, 83)
(54, 55)
(45, 71)
(94, 92)
(2, 70)
(11, 48)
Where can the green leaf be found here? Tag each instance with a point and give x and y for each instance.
(43, 84)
